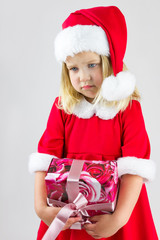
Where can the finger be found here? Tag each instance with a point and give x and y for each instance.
(92, 234)
(71, 221)
(95, 218)
(89, 226)
(96, 237)
(75, 219)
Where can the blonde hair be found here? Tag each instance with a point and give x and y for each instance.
(69, 97)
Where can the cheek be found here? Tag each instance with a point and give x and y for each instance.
(99, 78)
(74, 81)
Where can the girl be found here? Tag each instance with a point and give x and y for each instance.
(97, 117)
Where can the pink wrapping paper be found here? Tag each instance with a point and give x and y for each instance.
(82, 188)
(96, 180)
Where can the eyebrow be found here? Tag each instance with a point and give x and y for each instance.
(94, 60)
(70, 65)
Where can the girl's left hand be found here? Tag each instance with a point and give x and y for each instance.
(103, 226)
(107, 225)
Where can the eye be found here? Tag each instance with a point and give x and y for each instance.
(92, 65)
(74, 69)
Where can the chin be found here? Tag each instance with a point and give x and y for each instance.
(89, 99)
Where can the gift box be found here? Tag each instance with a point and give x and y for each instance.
(96, 180)
(80, 187)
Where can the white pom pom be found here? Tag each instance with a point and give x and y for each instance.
(115, 88)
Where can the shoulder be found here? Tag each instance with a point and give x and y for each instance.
(56, 104)
(56, 111)
(132, 117)
(56, 101)
(133, 110)
(54, 107)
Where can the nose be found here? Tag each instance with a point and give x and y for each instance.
(84, 76)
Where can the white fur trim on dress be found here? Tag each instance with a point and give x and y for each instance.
(39, 162)
(115, 88)
(79, 38)
(136, 166)
(86, 110)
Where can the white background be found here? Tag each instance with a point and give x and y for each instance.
(29, 77)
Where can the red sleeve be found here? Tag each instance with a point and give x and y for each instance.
(135, 140)
(52, 140)
(135, 144)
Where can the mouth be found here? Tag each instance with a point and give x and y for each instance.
(87, 86)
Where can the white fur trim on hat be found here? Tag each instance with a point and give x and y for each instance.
(136, 166)
(115, 88)
(79, 38)
(39, 162)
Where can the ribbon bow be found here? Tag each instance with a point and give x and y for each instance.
(60, 220)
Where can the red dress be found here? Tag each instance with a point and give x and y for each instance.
(102, 138)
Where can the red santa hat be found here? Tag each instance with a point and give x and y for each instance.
(101, 30)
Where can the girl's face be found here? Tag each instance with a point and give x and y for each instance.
(85, 72)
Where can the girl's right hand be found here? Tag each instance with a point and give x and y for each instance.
(45, 213)
(71, 221)
(48, 214)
